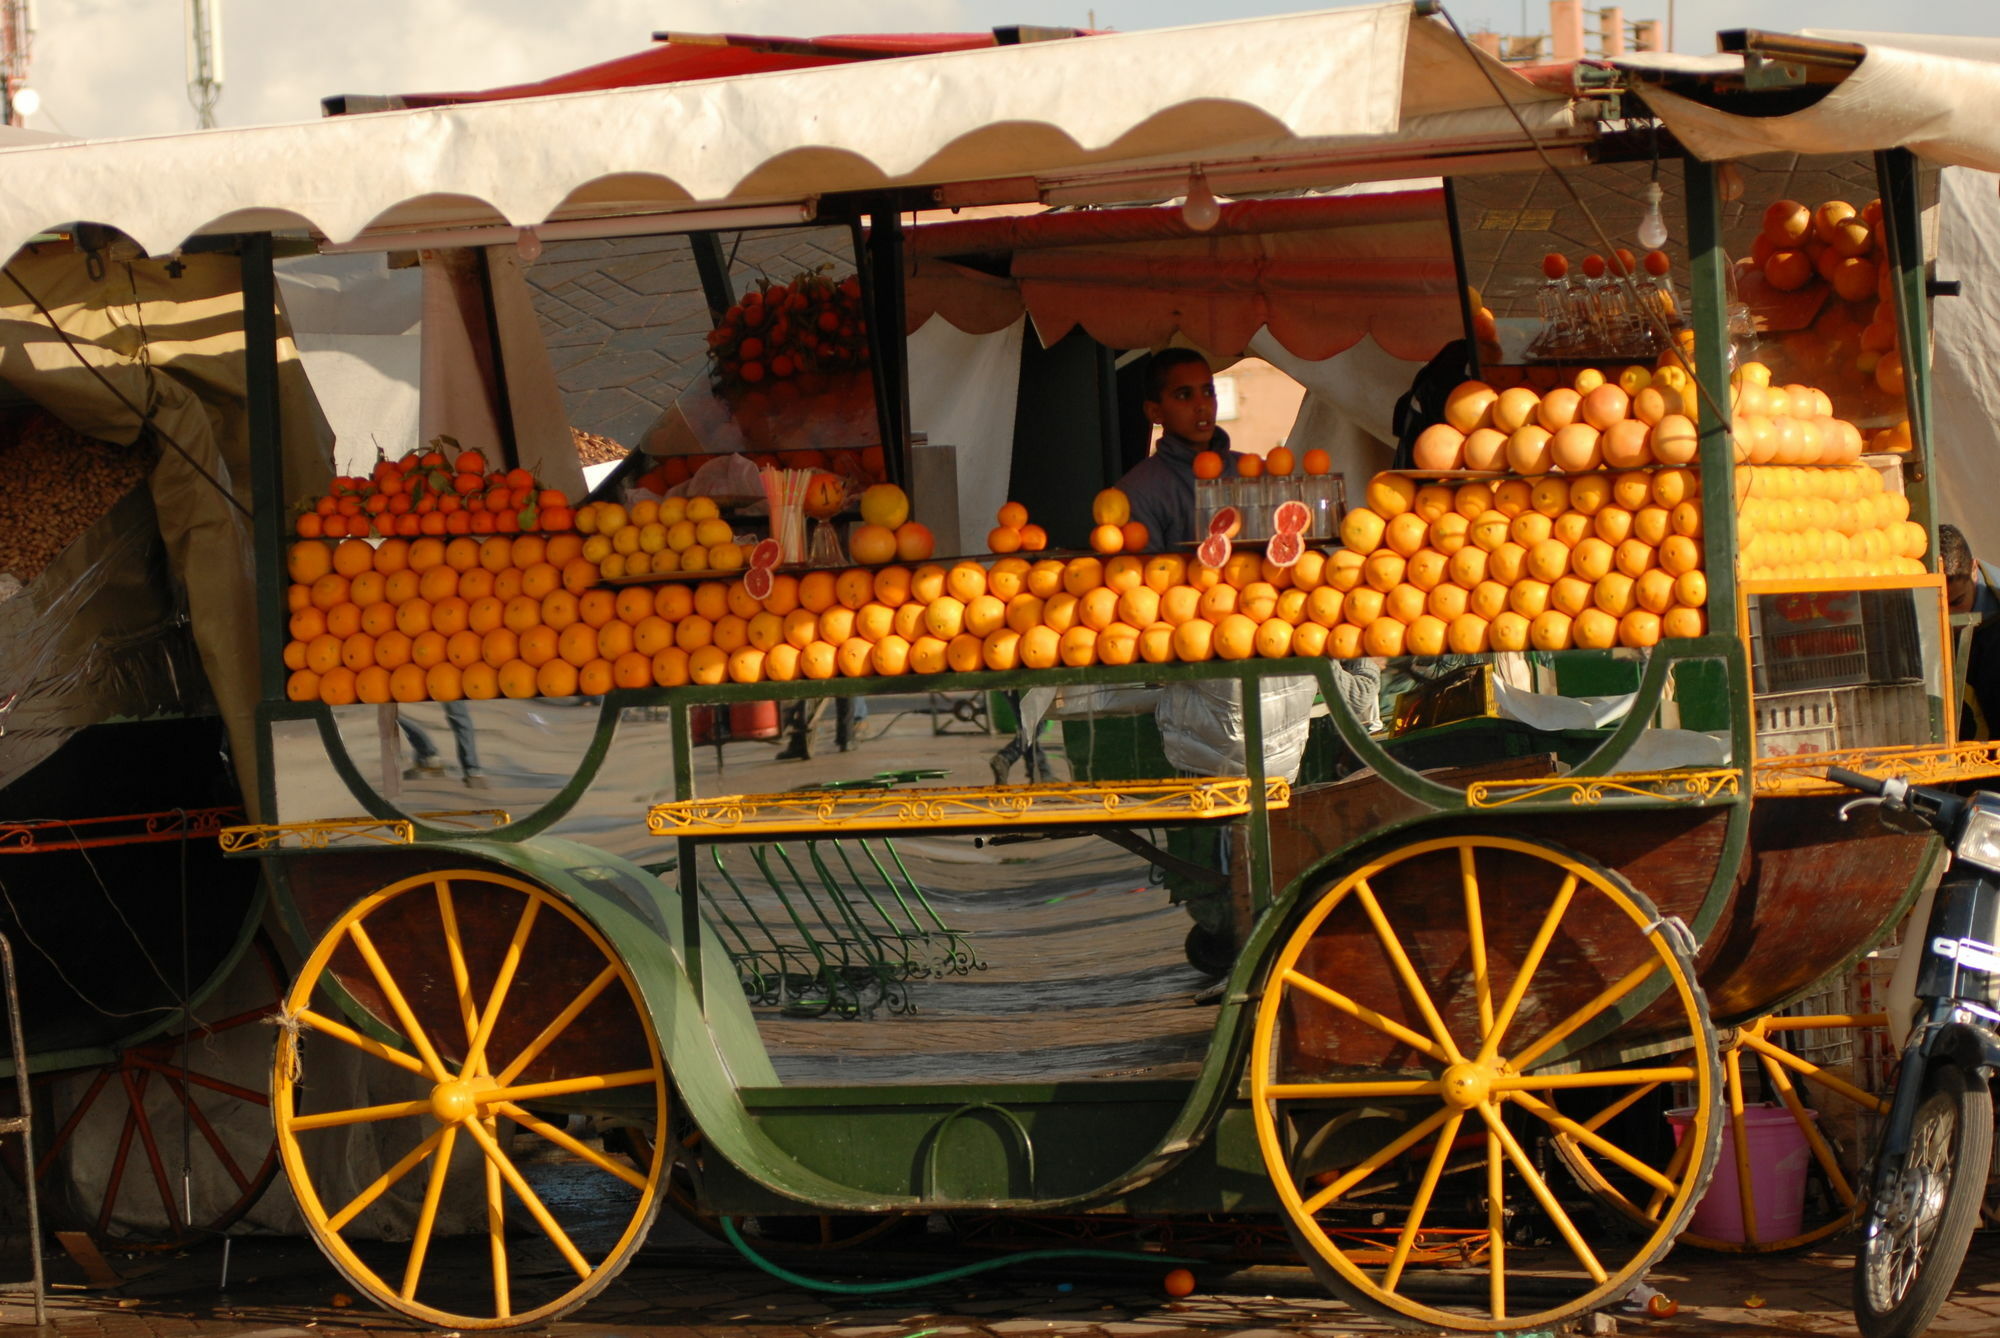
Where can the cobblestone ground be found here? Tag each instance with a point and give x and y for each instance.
(281, 1288)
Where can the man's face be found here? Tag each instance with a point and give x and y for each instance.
(1958, 593)
(1186, 406)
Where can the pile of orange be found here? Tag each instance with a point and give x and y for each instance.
(1594, 560)
(1112, 528)
(426, 620)
(1803, 523)
(1013, 532)
(672, 534)
(1617, 419)
(437, 492)
(439, 619)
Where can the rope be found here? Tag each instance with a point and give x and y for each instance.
(783, 1274)
(290, 1023)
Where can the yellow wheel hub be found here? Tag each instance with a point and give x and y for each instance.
(1467, 1085)
(453, 1102)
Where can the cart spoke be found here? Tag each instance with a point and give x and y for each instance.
(1561, 1082)
(1540, 1189)
(135, 1090)
(358, 935)
(1812, 1072)
(1496, 1226)
(558, 1025)
(198, 1079)
(475, 1056)
(1433, 1173)
(333, 1119)
(1732, 1068)
(496, 1240)
(1583, 1016)
(1619, 1107)
(83, 1104)
(1676, 1167)
(1475, 938)
(1333, 998)
(420, 1239)
(385, 1181)
(1823, 1154)
(536, 1209)
(1590, 1138)
(1531, 962)
(536, 1091)
(1393, 945)
(116, 1179)
(563, 1140)
(208, 1134)
(454, 946)
(340, 1031)
(1377, 1159)
(1345, 1091)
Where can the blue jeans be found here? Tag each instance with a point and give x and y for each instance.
(459, 717)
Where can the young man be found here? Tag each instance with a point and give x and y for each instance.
(1970, 587)
(1180, 397)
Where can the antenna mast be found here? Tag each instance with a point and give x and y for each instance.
(204, 59)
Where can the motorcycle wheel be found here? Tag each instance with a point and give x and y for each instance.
(1919, 1221)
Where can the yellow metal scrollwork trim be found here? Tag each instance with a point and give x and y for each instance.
(1937, 764)
(1681, 787)
(818, 810)
(325, 832)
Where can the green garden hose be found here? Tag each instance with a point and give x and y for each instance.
(783, 1274)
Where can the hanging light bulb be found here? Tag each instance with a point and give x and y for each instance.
(1201, 211)
(528, 245)
(1729, 181)
(1652, 223)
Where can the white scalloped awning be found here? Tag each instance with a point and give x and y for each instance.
(1253, 93)
(1932, 95)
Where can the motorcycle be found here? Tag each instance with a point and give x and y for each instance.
(1931, 1165)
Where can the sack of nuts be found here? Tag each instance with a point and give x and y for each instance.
(55, 483)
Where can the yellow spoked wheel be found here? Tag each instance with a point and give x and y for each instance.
(503, 1011)
(1437, 1013)
(1736, 1228)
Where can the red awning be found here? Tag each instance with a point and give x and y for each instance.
(1319, 273)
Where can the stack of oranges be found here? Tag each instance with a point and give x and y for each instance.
(670, 535)
(1014, 533)
(429, 620)
(1112, 528)
(1593, 561)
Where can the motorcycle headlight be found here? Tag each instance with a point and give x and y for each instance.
(1980, 843)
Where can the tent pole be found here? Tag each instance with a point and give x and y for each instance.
(267, 464)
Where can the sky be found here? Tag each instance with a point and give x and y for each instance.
(116, 67)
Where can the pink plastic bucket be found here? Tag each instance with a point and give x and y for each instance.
(1779, 1160)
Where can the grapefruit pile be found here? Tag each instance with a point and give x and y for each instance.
(1620, 419)
(653, 538)
(1593, 561)
(1796, 523)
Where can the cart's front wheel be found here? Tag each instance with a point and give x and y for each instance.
(1436, 1015)
(487, 1010)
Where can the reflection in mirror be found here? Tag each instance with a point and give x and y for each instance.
(1842, 669)
(1465, 718)
(432, 757)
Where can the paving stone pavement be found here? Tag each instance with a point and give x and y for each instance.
(282, 1288)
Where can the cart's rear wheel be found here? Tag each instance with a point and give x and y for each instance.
(171, 1141)
(500, 1004)
(1784, 1073)
(1435, 1013)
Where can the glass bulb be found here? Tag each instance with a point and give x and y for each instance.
(1201, 211)
(1652, 224)
(1729, 181)
(528, 245)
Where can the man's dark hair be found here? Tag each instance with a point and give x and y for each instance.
(1163, 362)
(1954, 554)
